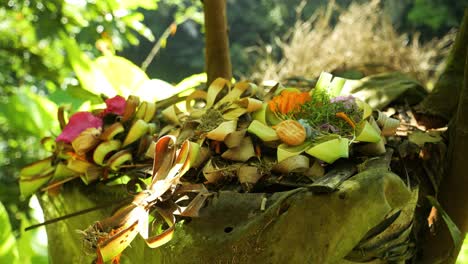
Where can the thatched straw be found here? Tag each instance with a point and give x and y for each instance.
(363, 39)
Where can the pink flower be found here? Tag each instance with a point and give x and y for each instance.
(79, 122)
(115, 105)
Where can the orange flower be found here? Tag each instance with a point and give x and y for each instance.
(288, 101)
(346, 118)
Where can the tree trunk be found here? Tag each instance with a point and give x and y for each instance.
(441, 104)
(217, 58)
(452, 98)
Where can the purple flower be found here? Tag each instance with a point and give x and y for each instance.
(329, 128)
(347, 101)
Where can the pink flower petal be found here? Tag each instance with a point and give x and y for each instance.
(115, 105)
(78, 123)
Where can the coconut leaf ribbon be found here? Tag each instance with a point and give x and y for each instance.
(93, 145)
(222, 100)
(332, 121)
(109, 237)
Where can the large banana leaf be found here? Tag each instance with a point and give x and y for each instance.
(296, 226)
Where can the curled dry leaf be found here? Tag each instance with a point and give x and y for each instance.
(103, 150)
(212, 173)
(144, 146)
(203, 156)
(130, 107)
(224, 129)
(93, 173)
(299, 163)
(315, 171)
(250, 104)
(78, 165)
(118, 159)
(248, 174)
(112, 235)
(86, 140)
(235, 138)
(111, 131)
(172, 114)
(242, 153)
(387, 124)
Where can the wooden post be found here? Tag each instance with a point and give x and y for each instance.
(217, 58)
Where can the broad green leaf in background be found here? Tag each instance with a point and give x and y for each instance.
(121, 74)
(192, 81)
(155, 89)
(108, 75)
(134, 21)
(91, 79)
(8, 250)
(74, 96)
(30, 113)
(134, 4)
(113, 75)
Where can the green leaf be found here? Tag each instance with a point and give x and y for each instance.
(133, 21)
(420, 138)
(90, 77)
(76, 96)
(28, 186)
(8, 249)
(323, 82)
(192, 81)
(32, 244)
(134, 4)
(336, 86)
(155, 90)
(264, 132)
(365, 132)
(124, 76)
(109, 75)
(331, 150)
(30, 113)
(452, 227)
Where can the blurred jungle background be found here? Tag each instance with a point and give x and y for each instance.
(48, 52)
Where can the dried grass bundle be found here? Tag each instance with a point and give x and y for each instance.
(363, 39)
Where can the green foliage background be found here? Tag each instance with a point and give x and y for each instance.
(47, 46)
